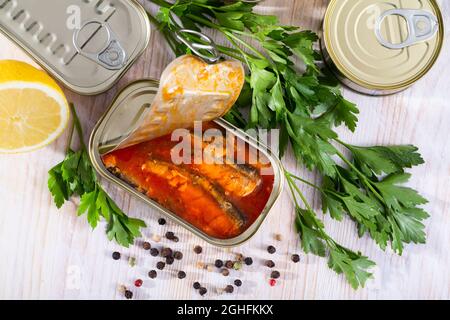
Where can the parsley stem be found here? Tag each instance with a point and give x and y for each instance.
(306, 182)
(77, 124)
(364, 179)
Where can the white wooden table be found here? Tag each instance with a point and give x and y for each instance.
(47, 253)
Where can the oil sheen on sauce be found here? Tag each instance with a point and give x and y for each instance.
(222, 199)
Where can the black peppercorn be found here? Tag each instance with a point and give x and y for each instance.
(166, 252)
(181, 275)
(170, 235)
(128, 294)
(170, 260)
(275, 275)
(270, 264)
(198, 249)
(162, 221)
(178, 255)
(218, 263)
(202, 291)
(175, 239)
(237, 283)
(229, 289)
(154, 252)
(271, 249)
(196, 285)
(248, 261)
(160, 265)
(295, 258)
(229, 264)
(146, 245)
(116, 255)
(152, 274)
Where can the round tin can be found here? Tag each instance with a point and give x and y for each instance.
(381, 47)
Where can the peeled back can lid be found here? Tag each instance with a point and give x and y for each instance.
(383, 45)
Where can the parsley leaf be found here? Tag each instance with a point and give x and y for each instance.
(75, 176)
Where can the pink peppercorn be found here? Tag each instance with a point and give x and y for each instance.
(138, 283)
(272, 282)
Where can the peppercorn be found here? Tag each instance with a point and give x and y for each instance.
(218, 263)
(229, 289)
(121, 288)
(138, 283)
(237, 266)
(175, 239)
(154, 252)
(160, 265)
(152, 274)
(200, 265)
(170, 235)
(295, 258)
(166, 252)
(225, 272)
(275, 275)
(128, 294)
(271, 249)
(132, 261)
(156, 238)
(229, 264)
(178, 255)
(161, 221)
(239, 257)
(278, 237)
(272, 282)
(116, 255)
(270, 264)
(198, 249)
(202, 291)
(248, 261)
(196, 285)
(146, 245)
(170, 260)
(181, 275)
(237, 283)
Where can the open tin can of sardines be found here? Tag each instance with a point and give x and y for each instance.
(87, 45)
(223, 203)
(380, 47)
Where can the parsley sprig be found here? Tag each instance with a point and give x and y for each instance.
(75, 176)
(306, 103)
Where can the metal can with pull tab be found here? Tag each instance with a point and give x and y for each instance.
(85, 44)
(381, 47)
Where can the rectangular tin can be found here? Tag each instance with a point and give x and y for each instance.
(380, 47)
(125, 112)
(87, 45)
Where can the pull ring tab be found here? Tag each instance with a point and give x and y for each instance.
(112, 56)
(208, 46)
(422, 25)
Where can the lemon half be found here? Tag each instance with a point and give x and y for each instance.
(33, 108)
